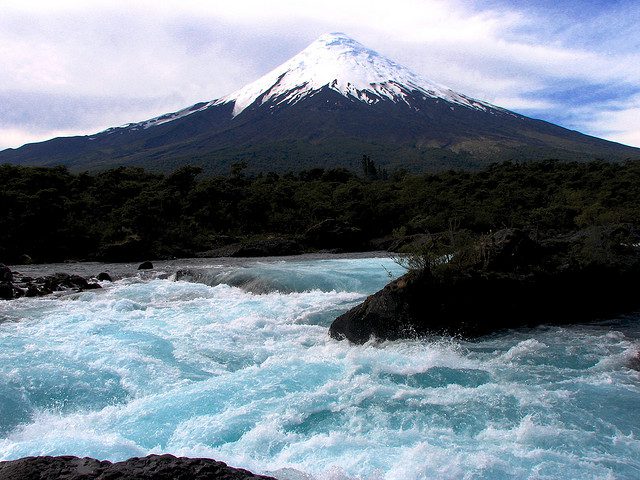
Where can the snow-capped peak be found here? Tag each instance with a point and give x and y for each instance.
(340, 63)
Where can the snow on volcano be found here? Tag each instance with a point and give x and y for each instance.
(334, 61)
(340, 63)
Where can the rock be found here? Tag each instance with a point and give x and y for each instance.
(152, 467)
(145, 266)
(19, 291)
(32, 291)
(91, 286)
(514, 282)
(5, 273)
(77, 281)
(634, 363)
(6, 291)
(104, 277)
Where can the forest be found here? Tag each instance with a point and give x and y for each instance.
(125, 214)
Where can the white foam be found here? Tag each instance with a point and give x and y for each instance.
(152, 366)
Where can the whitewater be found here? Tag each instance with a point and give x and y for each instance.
(231, 359)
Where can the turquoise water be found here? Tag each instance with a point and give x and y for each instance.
(236, 364)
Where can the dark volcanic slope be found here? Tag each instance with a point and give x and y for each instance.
(153, 467)
(326, 130)
(296, 117)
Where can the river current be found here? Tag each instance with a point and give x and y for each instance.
(233, 361)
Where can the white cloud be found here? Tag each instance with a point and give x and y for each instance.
(13, 137)
(189, 51)
(620, 122)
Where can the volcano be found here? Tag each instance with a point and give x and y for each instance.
(326, 107)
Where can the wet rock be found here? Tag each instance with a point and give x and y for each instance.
(19, 291)
(29, 287)
(511, 281)
(32, 291)
(634, 363)
(77, 281)
(152, 467)
(104, 277)
(145, 266)
(6, 275)
(6, 291)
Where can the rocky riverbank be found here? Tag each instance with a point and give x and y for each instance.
(509, 279)
(152, 467)
(14, 284)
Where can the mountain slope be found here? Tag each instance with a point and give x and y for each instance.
(328, 105)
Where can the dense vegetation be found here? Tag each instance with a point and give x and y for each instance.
(51, 214)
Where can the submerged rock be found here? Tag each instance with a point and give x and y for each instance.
(513, 281)
(152, 467)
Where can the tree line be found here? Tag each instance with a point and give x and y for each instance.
(51, 214)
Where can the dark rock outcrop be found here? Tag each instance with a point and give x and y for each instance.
(6, 290)
(6, 275)
(104, 276)
(513, 281)
(25, 286)
(145, 266)
(152, 467)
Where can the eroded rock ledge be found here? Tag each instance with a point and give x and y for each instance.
(152, 467)
(514, 280)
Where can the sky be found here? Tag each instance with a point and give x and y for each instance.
(78, 67)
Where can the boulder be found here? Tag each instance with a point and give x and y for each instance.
(145, 266)
(6, 275)
(6, 291)
(104, 277)
(512, 281)
(152, 467)
(77, 281)
(32, 291)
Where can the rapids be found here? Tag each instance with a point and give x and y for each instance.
(233, 361)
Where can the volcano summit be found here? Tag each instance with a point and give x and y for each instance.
(326, 107)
